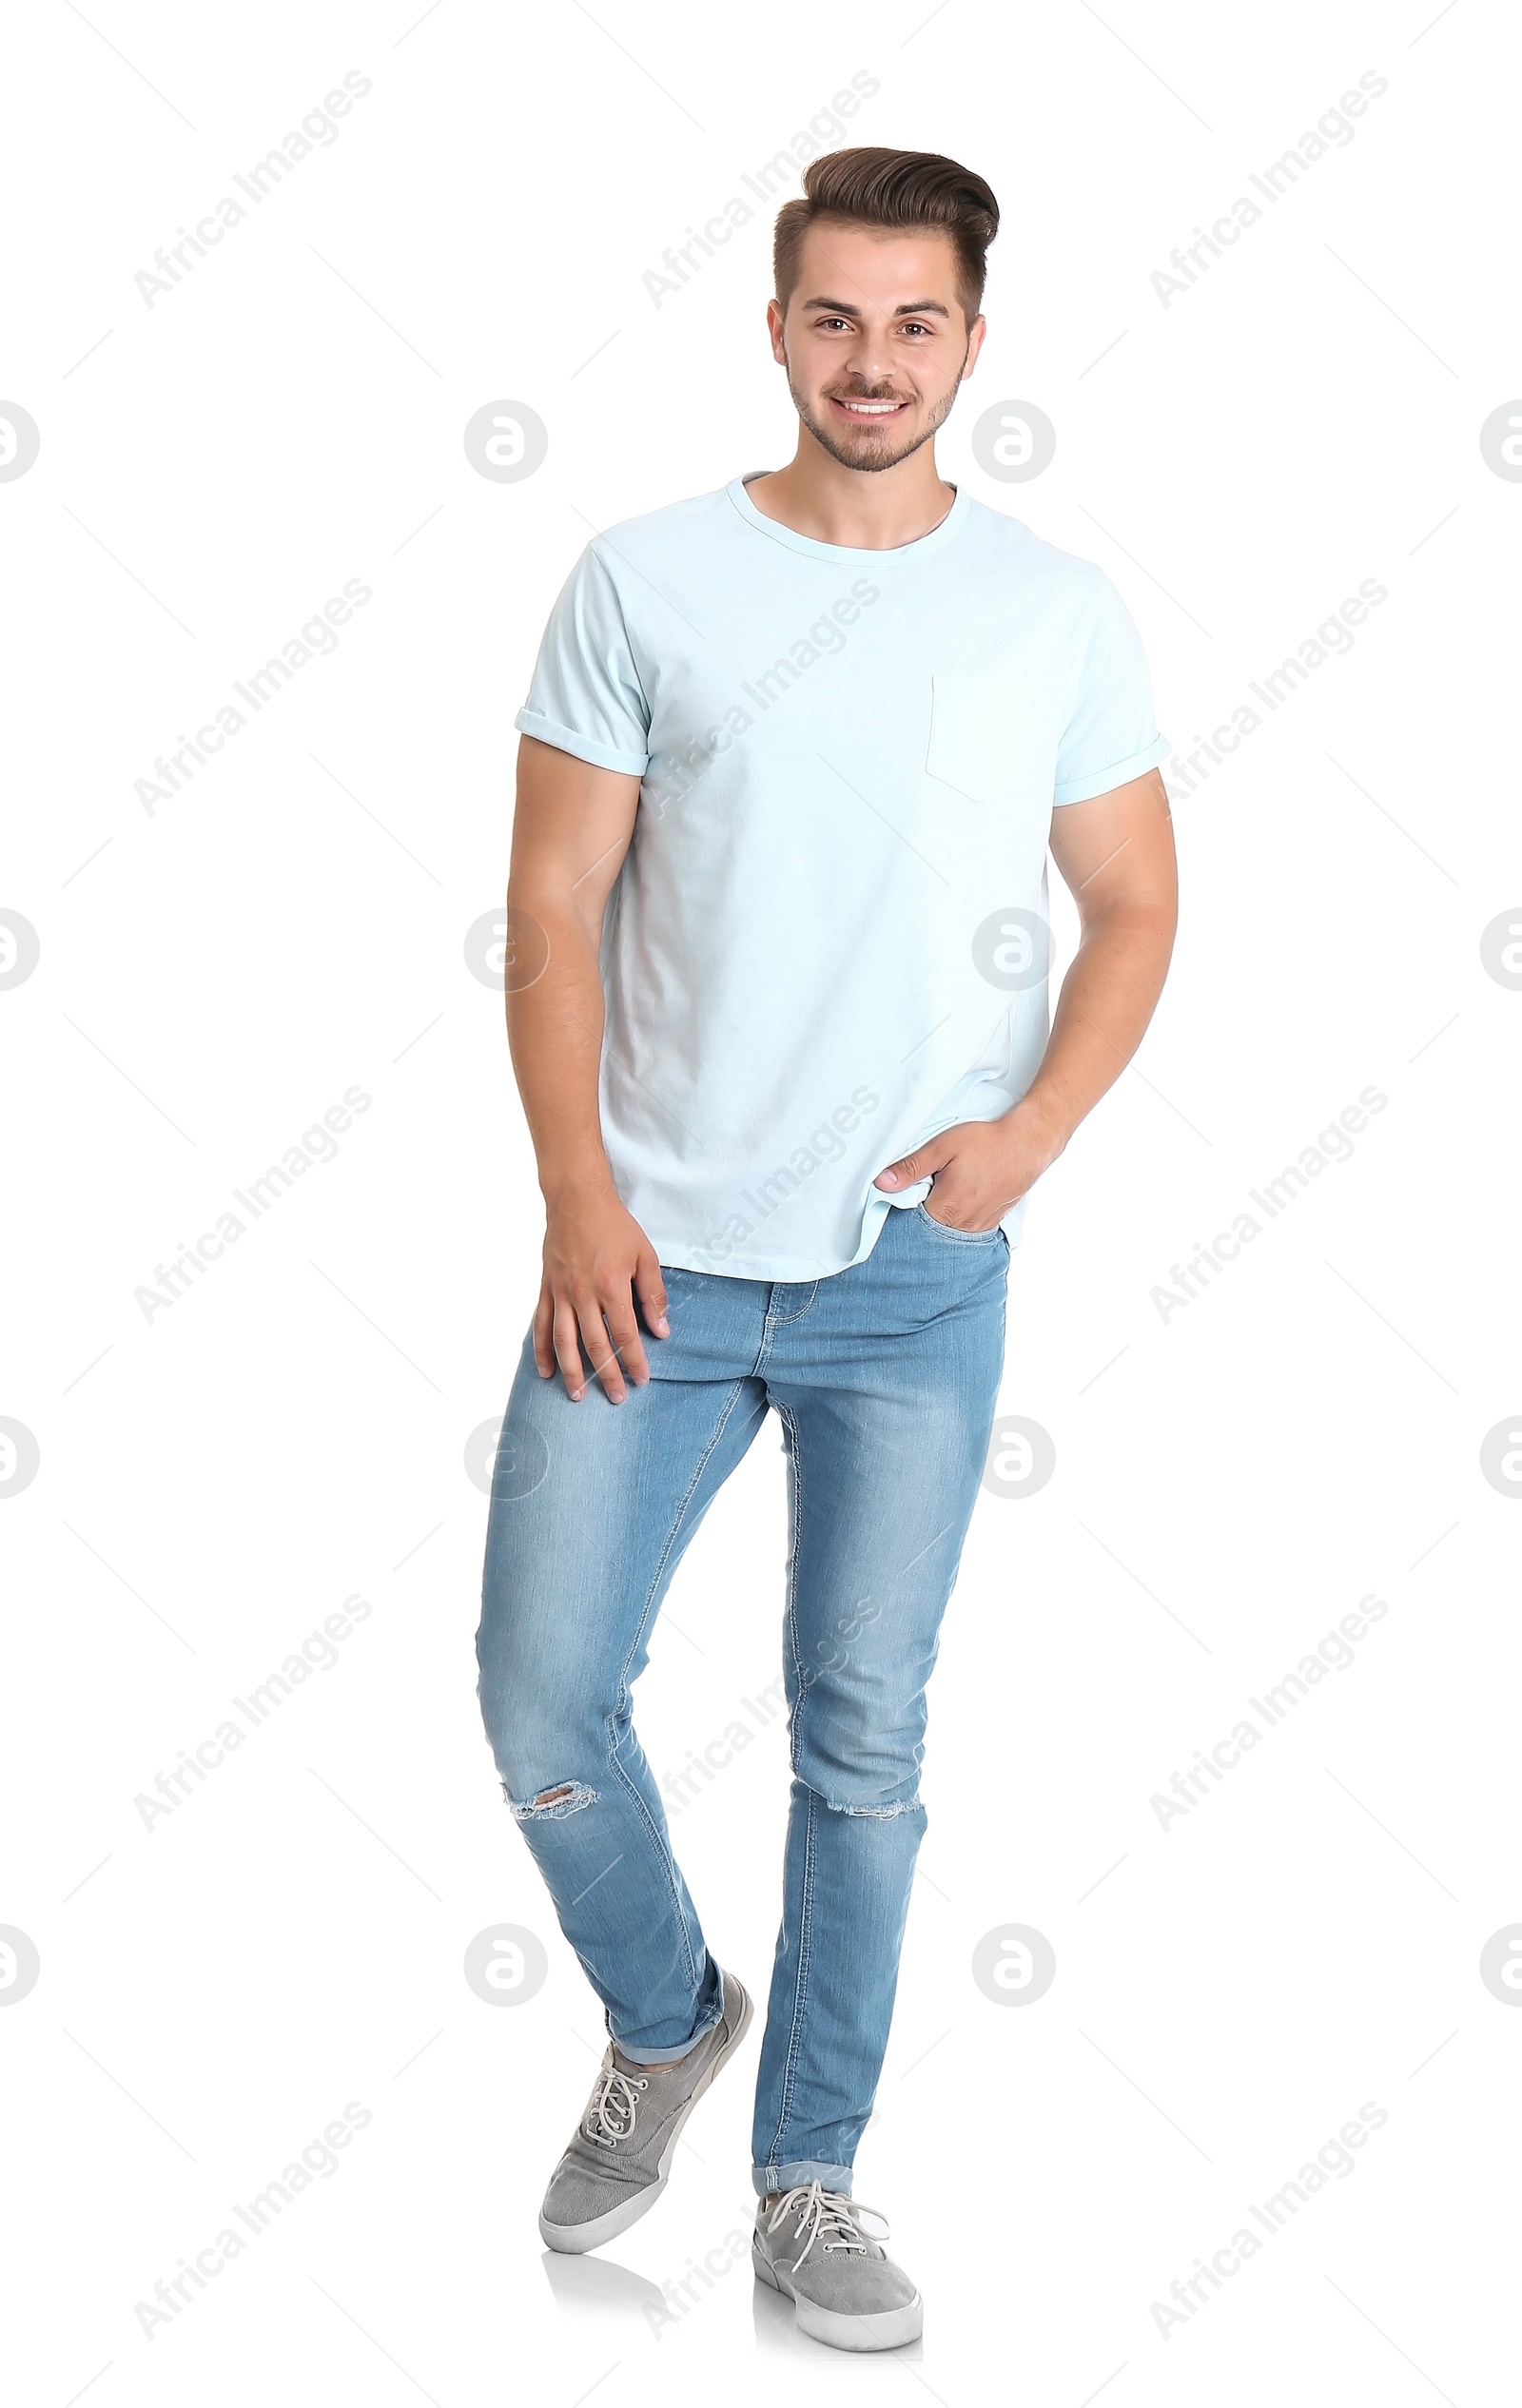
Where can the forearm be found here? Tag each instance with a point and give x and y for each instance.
(555, 1034)
(1108, 998)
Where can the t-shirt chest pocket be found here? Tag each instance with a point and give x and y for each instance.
(980, 739)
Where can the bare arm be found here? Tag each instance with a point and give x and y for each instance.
(571, 831)
(1116, 856)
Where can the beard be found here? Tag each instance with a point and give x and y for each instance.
(872, 447)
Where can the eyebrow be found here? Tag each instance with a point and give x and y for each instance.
(904, 309)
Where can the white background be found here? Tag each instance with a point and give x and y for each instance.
(1229, 1483)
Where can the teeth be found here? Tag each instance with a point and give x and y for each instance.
(871, 409)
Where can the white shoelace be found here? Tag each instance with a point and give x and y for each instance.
(827, 2216)
(610, 2116)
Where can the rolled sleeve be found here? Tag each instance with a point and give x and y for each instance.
(602, 756)
(586, 695)
(1084, 789)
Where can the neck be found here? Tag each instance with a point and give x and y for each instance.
(864, 510)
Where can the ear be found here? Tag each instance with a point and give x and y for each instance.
(975, 335)
(774, 322)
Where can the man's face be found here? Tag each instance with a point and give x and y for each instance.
(874, 341)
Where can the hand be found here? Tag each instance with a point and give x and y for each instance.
(597, 1260)
(979, 1169)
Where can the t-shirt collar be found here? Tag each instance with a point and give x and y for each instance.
(949, 526)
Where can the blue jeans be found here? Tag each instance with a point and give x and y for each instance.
(885, 1377)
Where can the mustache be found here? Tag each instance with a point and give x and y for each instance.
(865, 393)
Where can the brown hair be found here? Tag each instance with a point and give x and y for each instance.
(904, 190)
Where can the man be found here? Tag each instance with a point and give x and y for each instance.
(793, 755)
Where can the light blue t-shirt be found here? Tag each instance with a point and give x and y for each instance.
(828, 940)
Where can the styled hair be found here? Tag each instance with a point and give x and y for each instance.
(902, 191)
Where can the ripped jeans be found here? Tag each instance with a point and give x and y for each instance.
(885, 1377)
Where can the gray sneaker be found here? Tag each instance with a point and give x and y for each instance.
(846, 2290)
(615, 2166)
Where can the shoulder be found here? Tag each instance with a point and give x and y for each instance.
(679, 527)
(1083, 617)
(1009, 545)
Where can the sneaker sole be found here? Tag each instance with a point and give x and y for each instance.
(574, 2241)
(888, 2329)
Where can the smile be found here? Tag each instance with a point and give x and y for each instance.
(869, 409)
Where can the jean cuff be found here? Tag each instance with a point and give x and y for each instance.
(772, 2180)
(668, 2056)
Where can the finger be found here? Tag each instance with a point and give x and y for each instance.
(911, 1168)
(900, 1174)
(599, 1349)
(651, 1290)
(623, 1330)
(568, 1347)
(543, 1326)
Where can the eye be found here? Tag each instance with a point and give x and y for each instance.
(915, 327)
(832, 321)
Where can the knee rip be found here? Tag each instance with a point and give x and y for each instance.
(552, 1805)
(875, 1813)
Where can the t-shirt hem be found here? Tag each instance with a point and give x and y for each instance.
(600, 756)
(1121, 773)
(795, 1270)
(791, 1272)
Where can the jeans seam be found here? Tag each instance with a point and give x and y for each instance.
(794, 2046)
(800, 1996)
(785, 1320)
(663, 1855)
(662, 1846)
(790, 1423)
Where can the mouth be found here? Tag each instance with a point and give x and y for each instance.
(865, 413)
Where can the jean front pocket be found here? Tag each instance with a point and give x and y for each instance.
(960, 1236)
